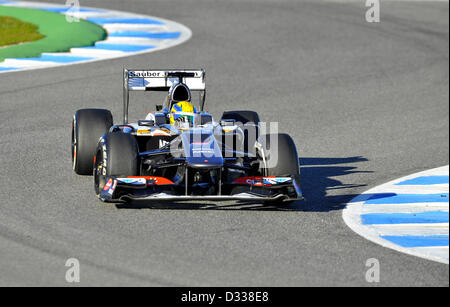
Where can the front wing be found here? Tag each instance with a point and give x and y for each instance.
(162, 189)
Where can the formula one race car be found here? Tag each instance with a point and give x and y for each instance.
(180, 152)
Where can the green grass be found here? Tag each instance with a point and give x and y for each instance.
(60, 35)
(14, 31)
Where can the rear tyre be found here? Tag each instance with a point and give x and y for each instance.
(88, 126)
(249, 122)
(117, 155)
(279, 159)
(243, 117)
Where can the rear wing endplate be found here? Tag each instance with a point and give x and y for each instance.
(161, 80)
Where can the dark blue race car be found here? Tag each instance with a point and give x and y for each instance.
(196, 158)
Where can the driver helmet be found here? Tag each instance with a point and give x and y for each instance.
(182, 114)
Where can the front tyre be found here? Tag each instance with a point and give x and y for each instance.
(278, 157)
(117, 155)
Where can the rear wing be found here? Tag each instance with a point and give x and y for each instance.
(161, 80)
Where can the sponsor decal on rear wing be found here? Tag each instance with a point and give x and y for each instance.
(154, 80)
(161, 80)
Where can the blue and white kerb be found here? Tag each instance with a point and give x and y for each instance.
(128, 34)
(409, 214)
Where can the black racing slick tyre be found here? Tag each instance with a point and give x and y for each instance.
(279, 154)
(243, 117)
(88, 126)
(249, 122)
(279, 157)
(117, 155)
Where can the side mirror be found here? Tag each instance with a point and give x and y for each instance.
(159, 107)
(227, 122)
(148, 123)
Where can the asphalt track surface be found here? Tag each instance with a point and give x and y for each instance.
(365, 103)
